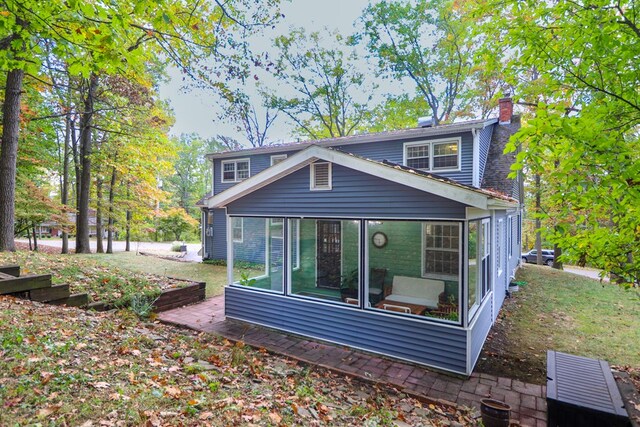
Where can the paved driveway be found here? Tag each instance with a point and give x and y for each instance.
(118, 246)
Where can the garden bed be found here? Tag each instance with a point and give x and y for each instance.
(112, 286)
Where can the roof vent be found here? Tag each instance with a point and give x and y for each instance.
(425, 122)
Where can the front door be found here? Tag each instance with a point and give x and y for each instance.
(329, 254)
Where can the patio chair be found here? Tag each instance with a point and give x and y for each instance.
(377, 288)
(353, 301)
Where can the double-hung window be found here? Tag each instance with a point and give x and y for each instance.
(439, 155)
(237, 229)
(235, 170)
(441, 253)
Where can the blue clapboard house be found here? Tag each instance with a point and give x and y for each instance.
(399, 243)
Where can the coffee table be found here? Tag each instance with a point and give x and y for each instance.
(415, 308)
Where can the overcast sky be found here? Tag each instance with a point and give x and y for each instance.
(195, 110)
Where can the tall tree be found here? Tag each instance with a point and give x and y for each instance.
(428, 42)
(98, 39)
(330, 96)
(585, 54)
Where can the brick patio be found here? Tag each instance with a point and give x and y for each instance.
(527, 401)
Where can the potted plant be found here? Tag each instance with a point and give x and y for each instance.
(349, 285)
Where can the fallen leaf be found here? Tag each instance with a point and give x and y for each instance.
(172, 391)
(100, 384)
(45, 412)
(275, 418)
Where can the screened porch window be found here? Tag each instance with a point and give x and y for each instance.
(325, 259)
(478, 267)
(258, 259)
(413, 268)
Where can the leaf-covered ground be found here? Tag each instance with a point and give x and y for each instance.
(109, 284)
(64, 366)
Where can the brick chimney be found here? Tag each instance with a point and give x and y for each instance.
(506, 110)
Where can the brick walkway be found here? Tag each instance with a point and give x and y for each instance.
(527, 401)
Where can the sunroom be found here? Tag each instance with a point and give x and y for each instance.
(386, 261)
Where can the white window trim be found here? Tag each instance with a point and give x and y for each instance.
(275, 157)
(440, 276)
(295, 266)
(274, 223)
(312, 181)
(235, 170)
(241, 239)
(430, 143)
(499, 246)
(509, 237)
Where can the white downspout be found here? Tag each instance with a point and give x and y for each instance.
(475, 180)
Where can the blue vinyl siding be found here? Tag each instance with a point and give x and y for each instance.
(484, 143)
(387, 150)
(218, 241)
(479, 330)
(421, 342)
(258, 163)
(354, 194)
(393, 152)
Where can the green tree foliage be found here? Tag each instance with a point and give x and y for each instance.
(93, 44)
(427, 41)
(575, 64)
(331, 95)
(191, 174)
(175, 222)
(397, 112)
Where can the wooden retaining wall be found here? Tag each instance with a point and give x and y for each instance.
(39, 288)
(174, 298)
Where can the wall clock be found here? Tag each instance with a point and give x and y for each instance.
(379, 239)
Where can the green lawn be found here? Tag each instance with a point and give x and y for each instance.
(112, 284)
(565, 312)
(215, 276)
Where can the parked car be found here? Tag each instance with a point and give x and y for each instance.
(532, 256)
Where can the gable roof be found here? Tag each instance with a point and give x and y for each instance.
(445, 129)
(429, 183)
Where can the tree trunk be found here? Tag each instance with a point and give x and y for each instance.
(112, 186)
(538, 224)
(64, 193)
(127, 247)
(8, 157)
(86, 121)
(557, 252)
(35, 239)
(99, 247)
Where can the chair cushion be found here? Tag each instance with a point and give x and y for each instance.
(414, 290)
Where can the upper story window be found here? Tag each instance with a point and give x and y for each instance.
(320, 176)
(277, 158)
(439, 155)
(235, 170)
